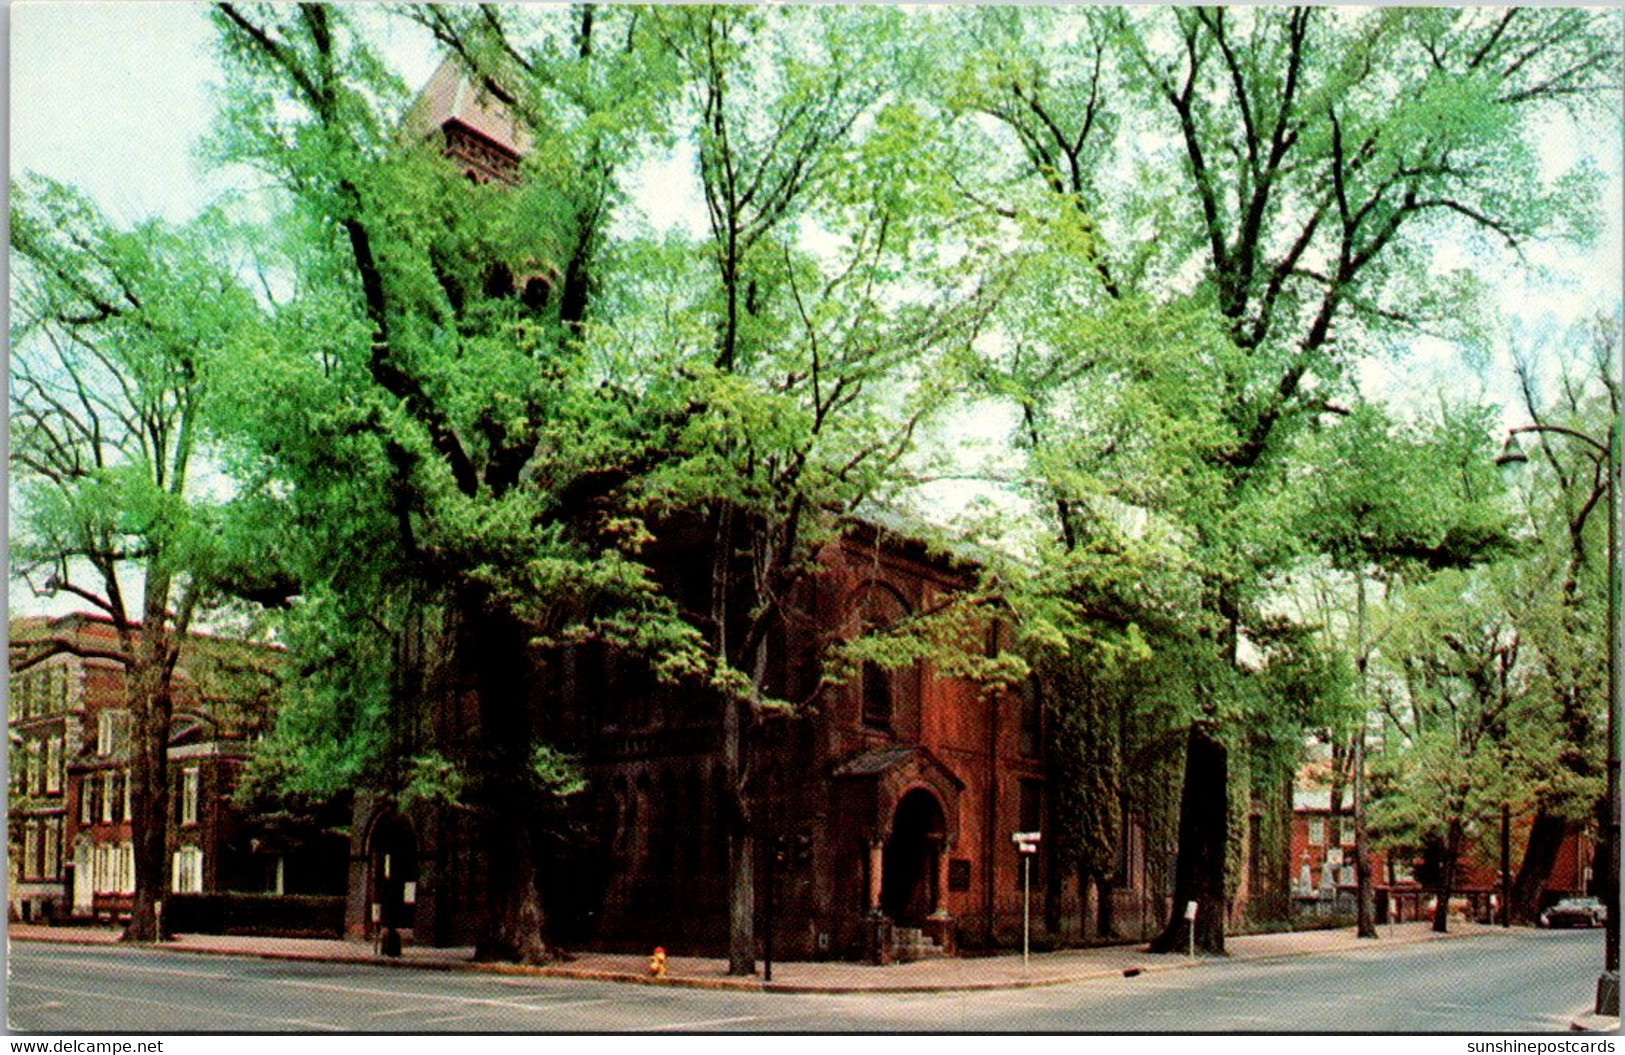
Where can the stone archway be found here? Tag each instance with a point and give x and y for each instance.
(910, 860)
(902, 804)
(392, 853)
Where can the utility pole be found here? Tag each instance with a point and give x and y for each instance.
(1607, 854)
(1366, 926)
(1506, 864)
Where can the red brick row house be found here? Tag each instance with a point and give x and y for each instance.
(1323, 880)
(72, 855)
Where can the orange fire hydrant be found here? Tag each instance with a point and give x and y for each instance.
(657, 963)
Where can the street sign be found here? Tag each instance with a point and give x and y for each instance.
(1190, 910)
(1027, 844)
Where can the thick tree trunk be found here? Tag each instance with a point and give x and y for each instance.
(1105, 914)
(148, 698)
(515, 923)
(1204, 824)
(1053, 893)
(1365, 914)
(1546, 836)
(1447, 877)
(741, 845)
(150, 706)
(492, 650)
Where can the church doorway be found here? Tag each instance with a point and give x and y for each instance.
(394, 860)
(908, 886)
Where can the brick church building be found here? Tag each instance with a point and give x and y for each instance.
(883, 810)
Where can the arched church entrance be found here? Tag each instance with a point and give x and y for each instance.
(393, 857)
(909, 863)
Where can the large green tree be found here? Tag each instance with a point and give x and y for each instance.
(117, 339)
(1393, 502)
(428, 422)
(1573, 415)
(1286, 173)
(816, 321)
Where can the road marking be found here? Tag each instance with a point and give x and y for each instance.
(320, 986)
(127, 968)
(451, 1018)
(170, 1005)
(1012, 1005)
(699, 1024)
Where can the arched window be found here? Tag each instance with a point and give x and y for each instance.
(1031, 695)
(876, 695)
(879, 608)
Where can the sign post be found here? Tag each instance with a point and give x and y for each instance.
(1190, 918)
(1027, 844)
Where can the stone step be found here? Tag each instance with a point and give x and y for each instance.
(910, 944)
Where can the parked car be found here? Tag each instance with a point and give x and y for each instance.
(1575, 912)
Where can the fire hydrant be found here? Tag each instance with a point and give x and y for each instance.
(657, 963)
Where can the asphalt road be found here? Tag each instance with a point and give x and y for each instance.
(1518, 982)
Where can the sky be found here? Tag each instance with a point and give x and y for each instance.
(114, 97)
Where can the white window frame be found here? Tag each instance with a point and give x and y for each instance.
(1317, 831)
(30, 868)
(112, 732)
(108, 776)
(188, 871)
(87, 804)
(189, 795)
(128, 814)
(53, 848)
(35, 777)
(53, 766)
(126, 868)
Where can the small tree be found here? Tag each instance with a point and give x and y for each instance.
(1466, 728)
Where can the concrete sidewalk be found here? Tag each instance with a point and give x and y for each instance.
(946, 975)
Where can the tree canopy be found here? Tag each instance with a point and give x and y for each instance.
(457, 423)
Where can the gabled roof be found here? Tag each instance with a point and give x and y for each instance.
(878, 760)
(451, 98)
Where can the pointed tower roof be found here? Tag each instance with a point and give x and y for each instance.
(473, 122)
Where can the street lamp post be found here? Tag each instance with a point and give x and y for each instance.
(1608, 454)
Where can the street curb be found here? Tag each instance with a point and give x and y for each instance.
(1590, 1022)
(755, 985)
